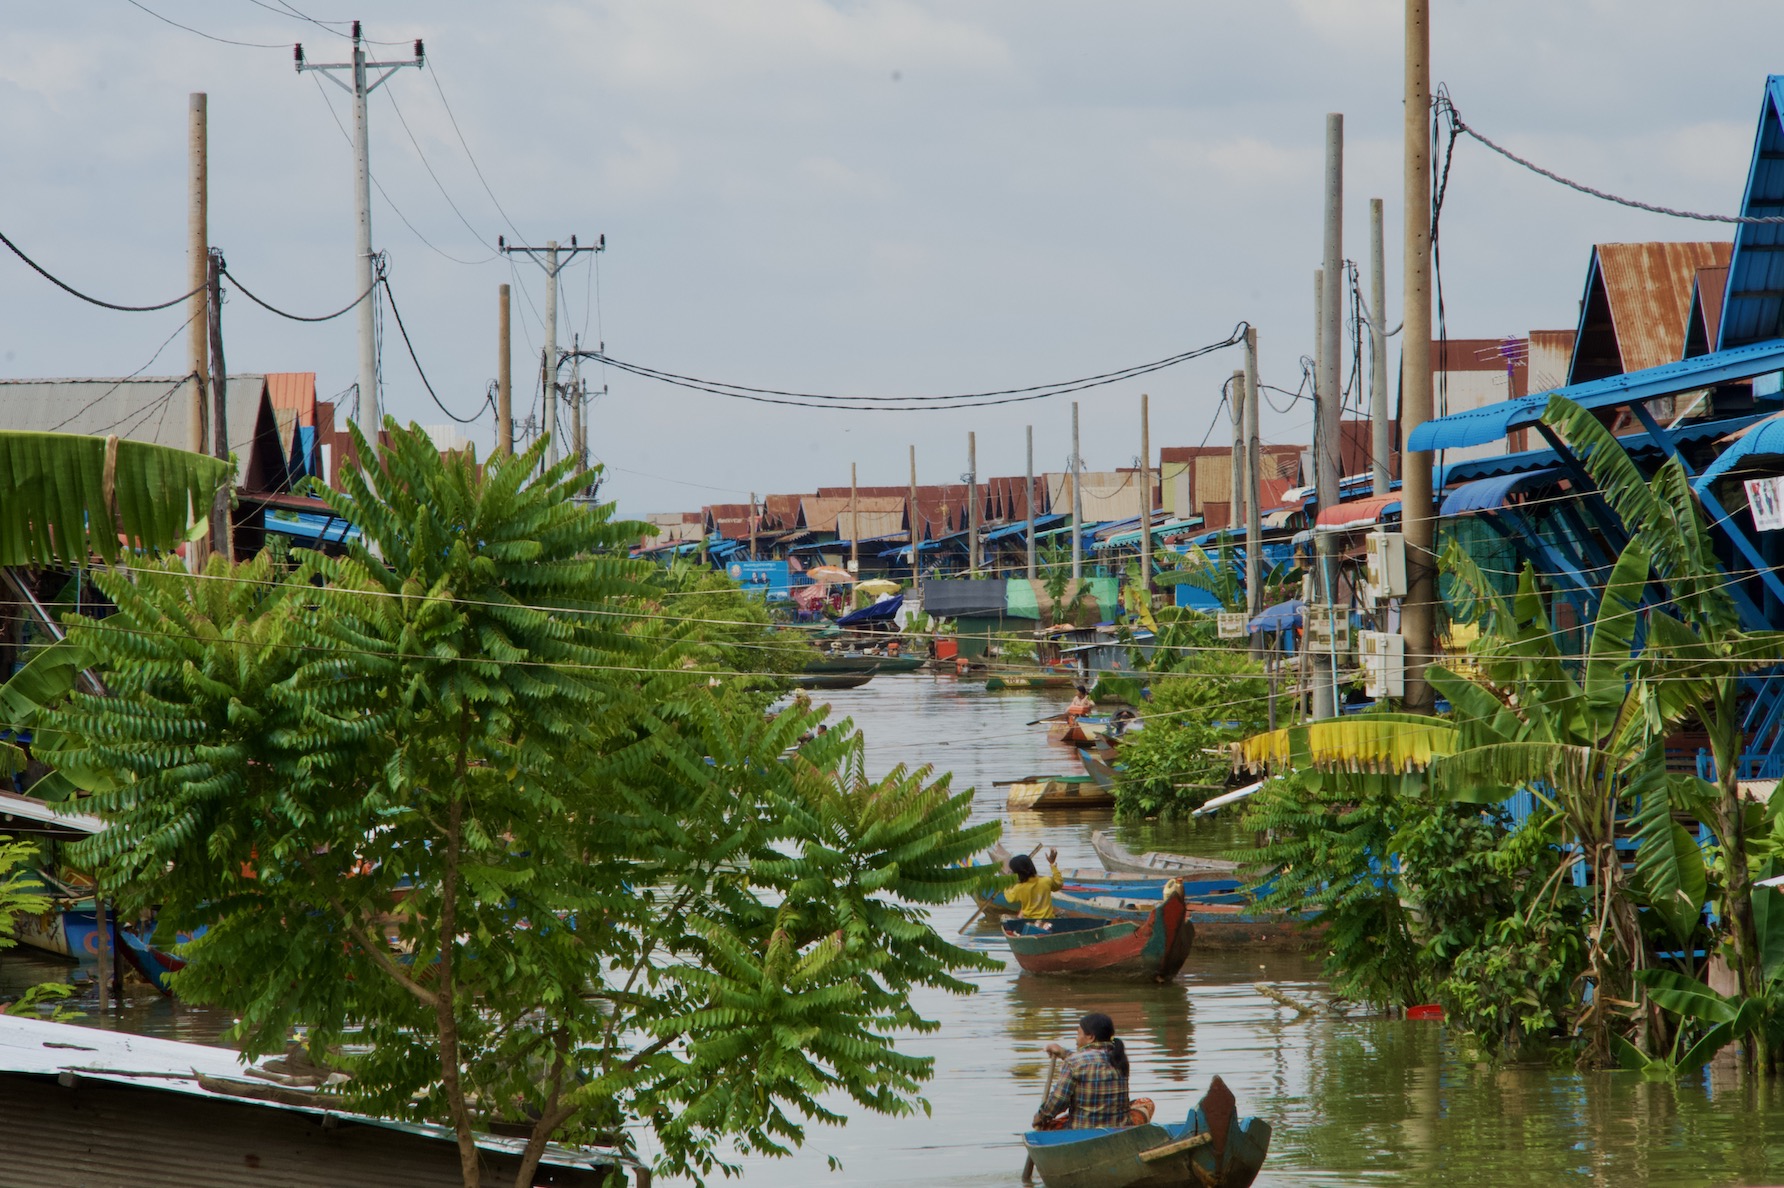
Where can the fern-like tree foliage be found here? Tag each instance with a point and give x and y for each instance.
(506, 827)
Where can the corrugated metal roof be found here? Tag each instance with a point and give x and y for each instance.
(1764, 439)
(151, 409)
(1705, 321)
(1644, 289)
(1357, 513)
(880, 514)
(1753, 309)
(294, 390)
(1490, 494)
(163, 1079)
(781, 511)
(1107, 494)
(1477, 426)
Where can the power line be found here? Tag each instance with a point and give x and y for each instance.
(390, 94)
(1447, 110)
(243, 289)
(404, 331)
(912, 403)
(202, 33)
(40, 270)
(470, 156)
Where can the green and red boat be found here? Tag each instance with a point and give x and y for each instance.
(1154, 947)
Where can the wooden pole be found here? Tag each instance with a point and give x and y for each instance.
(1028, 490)
(1077, 505)
(1325, 484)
(1145, 500)
(1380, 442)
(916, 519)
(1254, 515)
(504, 377)
(1236, 485)
(972, 504)
(220, 525)
(103, 953)
(854, 524)
(752, 525)
(1416, 612)
(198, 264)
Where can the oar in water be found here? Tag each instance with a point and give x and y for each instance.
(1028, 1167)
(1053, 718)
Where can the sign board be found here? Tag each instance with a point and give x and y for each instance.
(1231, 624)
(1765, 499)
(1328, 632)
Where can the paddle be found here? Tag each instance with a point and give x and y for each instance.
(1052, 1067)
(1054, 718)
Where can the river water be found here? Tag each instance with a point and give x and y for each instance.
(1355, 1101)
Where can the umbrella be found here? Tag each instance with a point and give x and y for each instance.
(878, 586)
(830, 574)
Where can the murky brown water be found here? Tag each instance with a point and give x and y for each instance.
(1355, 1102)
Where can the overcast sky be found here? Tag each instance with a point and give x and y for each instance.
(883, 197)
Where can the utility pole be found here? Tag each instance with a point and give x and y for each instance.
(1077, 505)
(219, 405)
(972, 504)
(1415, 354)
(368, 412)
(1254, 519)
(1236, 487)
(854, 524)
(752, 525)
(1145, 500)
(916, 519)
(198, 264)
(578, 440)
(1028, 494)
(504, 378)
(1380, 440)
(1325, 490)
(1326, 407)
(554, 259)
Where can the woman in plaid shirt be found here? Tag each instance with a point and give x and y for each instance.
(1092, 1089)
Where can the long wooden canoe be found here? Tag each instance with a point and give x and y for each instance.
(1224, 922)
(1078, 731)
(1158, 864)
(1155, 948)
(1043, 793)
(1212, 1148)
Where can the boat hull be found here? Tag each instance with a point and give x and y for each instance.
(1229, 1157)
(1078, 731)
(1119, 858)
(1224, 923)
(1058, 792)
(1155, 947)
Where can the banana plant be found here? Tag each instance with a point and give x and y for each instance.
(1710, 1022)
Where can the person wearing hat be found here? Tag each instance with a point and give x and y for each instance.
(1033, 894)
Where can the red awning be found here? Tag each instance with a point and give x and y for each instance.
(1358, 513)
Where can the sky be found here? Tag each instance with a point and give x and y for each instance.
(870, 197)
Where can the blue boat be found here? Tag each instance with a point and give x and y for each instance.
(1222, 921)
(1212, 1148)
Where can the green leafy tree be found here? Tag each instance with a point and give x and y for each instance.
(1209, 699)
(497, 827)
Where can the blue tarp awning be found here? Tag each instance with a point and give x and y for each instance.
(1489, 494)
(1280, 617)
(310, 526)
(1009, 530)
(1635, 443)
(883, 611)
(1767, 437)
(1478, 426)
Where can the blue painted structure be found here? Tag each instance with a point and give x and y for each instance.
(771, 579)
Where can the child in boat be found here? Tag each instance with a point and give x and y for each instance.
(1090, 1092)
(1033, 894)
(1081, 704)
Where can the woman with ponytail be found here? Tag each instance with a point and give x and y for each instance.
(1091, 1094)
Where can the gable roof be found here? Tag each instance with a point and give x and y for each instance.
(1637, 301)
(1753, 309)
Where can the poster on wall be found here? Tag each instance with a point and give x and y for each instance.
(1765, 499)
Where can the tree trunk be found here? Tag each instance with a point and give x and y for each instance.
(445, 1013)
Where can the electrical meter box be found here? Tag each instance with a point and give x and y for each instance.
(1328, 632)
(1383, 654)
(1385, 564)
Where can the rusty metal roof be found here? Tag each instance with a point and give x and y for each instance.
(294, 390)
(1638, 298)
(1704, 321)
(880, 514)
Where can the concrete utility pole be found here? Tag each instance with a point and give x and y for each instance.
(972, 504)
(1028, 494)
(854, 524)
(1236, 484)
(1415, 353)
(198, 264)
(504, 377)
(1380, 440)
(1327, 397)
(1254, 519)
(220, 526)
(554, 259)
(916, 519)
(578, 436)
(1077, 504)
(1325, 490)
(1145, 499)
(368, 413)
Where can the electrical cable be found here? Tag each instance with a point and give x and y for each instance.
(270, 308)
(40, 270)
(404, 331)
(203, 34)
(390, 94)
(1446, 109)
(469, 155)
(83, 408)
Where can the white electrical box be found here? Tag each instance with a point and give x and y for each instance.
(1328, 632)
(1231, 624)
(1385, 564)
(1383, 654)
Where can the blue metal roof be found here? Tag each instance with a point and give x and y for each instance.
(1635, 443)
(1490, 493)
(1753, 308)
(309, 525)
(1009, 530)
(1477, 426)
(1765, 438)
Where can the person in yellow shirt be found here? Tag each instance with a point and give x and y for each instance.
(1033, 894)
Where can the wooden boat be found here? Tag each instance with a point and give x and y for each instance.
(891, 664)
(843, 662)
(1089, 880)
(832, 680)
(1222, 921)
(1079, 731)
(1097, 767)
(1033, 680)
(1212, 1148)
(1155, 948)
(1156, 863)
(1044, 793)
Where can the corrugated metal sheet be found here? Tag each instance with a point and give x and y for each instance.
(1107, 494)
(1704, 321)
(1358, 512)
(1753, 309)
(781, 511)
(151, 409)
(881, 515)
(1647, 287)
(1213, 479)
(1545, 365)
(294, 390)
